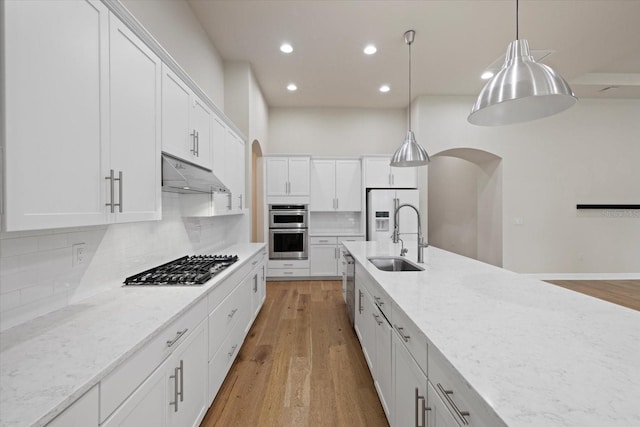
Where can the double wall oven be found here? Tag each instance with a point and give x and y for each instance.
(288, 232)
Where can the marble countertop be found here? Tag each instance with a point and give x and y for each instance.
(48, 363)
(538, 354)
(340, 233)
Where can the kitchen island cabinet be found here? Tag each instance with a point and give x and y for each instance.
(499, 343)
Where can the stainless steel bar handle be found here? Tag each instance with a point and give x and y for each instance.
(458, 412)
(377, 318)
(254, 263)
(240, 201)
(359, 301)
(179, 334)
(389, 179)
(393, 179)
(175, 389)
(379, 301)
(229, 206)
(418, 398)
(193, 139)
(255, 283)
(337, 203)
(197, 144)
(111, 185)
(119, 179)
(401, 332)
(181, 369)
(230, 315)
(233, 350)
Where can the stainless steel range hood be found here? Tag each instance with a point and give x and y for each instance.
(180, 176)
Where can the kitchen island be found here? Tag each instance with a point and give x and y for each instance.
(536, 354)
(50, 362)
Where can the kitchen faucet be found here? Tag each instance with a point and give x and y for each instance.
(396, 232)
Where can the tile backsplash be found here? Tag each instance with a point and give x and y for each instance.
(38, 275)
(335, 222)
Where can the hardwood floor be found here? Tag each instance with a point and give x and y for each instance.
(621, 292)
(301, 365)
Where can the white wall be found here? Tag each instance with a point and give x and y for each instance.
(587, 154)
(336, 131)
(176, 28)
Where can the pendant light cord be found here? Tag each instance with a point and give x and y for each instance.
(517, 20)
(409, 86)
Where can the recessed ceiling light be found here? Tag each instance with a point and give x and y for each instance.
(286, 48)
(486, 75)
(370, 49)
(292, 87)
(384, 88)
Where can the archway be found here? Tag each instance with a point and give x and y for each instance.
(257, 196)
(465, 203)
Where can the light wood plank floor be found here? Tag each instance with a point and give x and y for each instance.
(621, 292)
(301, 365)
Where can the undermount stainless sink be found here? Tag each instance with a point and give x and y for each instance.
(394, 263)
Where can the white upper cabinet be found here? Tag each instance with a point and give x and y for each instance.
(228, 161)
(56, 113)
(135, 84)
(378, 174)
(93, 158)
(186, 121)
(287, 179)
(336, 185)
(234, 157)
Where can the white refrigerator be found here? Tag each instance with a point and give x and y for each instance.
(380, 219)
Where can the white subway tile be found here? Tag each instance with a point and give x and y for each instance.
(9, 300)
(18, 246)
(35, 293)
(19, 280)
(54, 241)
(9, 265)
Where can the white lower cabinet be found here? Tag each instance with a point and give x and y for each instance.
(82, 413)
(175, 394)
(438, 414)
(410, 386)
(383, 362)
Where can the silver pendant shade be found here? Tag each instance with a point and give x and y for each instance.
(521, 91)
(410, 153)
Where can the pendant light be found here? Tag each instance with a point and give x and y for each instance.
(410, 152)
(521, 91)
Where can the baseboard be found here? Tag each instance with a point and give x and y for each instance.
(585, 276)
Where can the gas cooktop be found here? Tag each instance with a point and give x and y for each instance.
(185, 271)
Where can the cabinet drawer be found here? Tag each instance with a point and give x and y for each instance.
(226, 315)
(288, 264)
(350, 239)
(221, 362)
(379, 297)
(457, 394)
(412, 338)
(288, 272)
(323, 240)
(120, 383)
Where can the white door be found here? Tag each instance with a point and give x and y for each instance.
(438, 415)
(348, 186)
(407, 378)
(377, 172)
(56, 113)
(404, 177)
(277, 176)
(235, 160)
(240, 170)
(299, 176)
(323, 185)
(135, 126)
(201, 123)
(218, 135)
(383, 365)
(176, 108)
(191, 360)
(83, 412)
(323, 260)
(380, 215)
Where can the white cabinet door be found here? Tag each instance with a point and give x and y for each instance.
(299, 176)
(404, 177)
(365, 325)
(323, 260)
(201, 124)
(438, 415)
(82, 413)
(255, 293)
(377, 172)
(234, 156)
(348, 185)
(135, 83)
(176, 109)
(55, 113)
(323, 186)
(277, 176)
(239, 201)
(408, 378)
(187, 380)
(219, 133)
(382, 364)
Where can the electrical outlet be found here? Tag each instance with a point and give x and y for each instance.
(78, 254)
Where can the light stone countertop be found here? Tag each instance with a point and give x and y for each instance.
(48, 363)
(340, 233)
(538, 354)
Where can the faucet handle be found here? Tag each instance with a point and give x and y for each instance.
(403, 251)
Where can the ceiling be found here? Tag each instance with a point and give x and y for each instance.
(595, 44)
